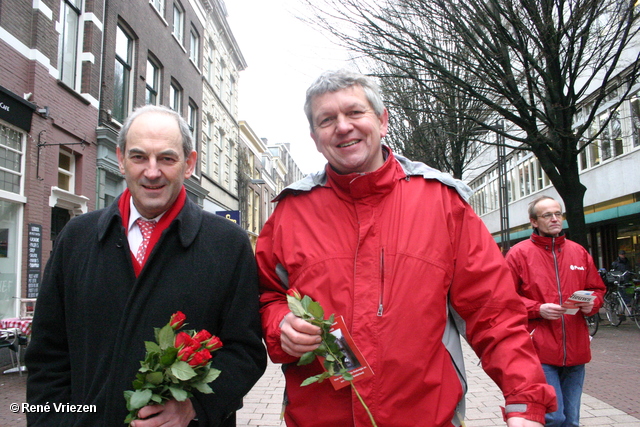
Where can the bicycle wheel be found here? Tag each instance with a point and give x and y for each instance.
(635, 311)
(613, 308)
(593, 321)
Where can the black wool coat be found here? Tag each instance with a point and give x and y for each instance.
(93, 314)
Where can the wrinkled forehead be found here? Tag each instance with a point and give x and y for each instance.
(548, 205)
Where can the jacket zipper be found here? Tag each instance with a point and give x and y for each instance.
(555, 263)
(381, 297)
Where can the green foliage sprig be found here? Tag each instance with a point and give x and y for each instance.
(333, 356)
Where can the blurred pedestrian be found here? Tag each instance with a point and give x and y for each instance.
(548, 269)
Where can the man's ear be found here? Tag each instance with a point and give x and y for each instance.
(191, 164)
(120, 159)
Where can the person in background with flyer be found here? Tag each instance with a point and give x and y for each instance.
(394, 248)
(548, 269)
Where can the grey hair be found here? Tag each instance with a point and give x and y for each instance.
(333, 81)
(185, 131)
(532, 206)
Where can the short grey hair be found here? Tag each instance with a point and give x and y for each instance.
(185, 131)
(532, 206)
(333, 81)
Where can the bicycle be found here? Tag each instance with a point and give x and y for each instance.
(592, 323)
(615, 305)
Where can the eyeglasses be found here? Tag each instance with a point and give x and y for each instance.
(547, 216)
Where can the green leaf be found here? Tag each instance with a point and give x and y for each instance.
(182, 371)
(169, 356)
(155, 378)
(316, 310)
(296, 307)
(306, 358)
(313, 379)
(306, 300)
(346, 375)
(203, 388)
(211, 375)
(139, 399)
(152, 347)
(166, 337)
(179, 394)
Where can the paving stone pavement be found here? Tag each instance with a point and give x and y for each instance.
(262, 406)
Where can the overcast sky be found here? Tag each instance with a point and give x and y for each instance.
(284, 56)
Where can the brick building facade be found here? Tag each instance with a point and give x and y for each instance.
(50, 86)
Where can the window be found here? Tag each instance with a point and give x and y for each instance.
(192, 120)
(211, 58)
(68, 42)
(66, 171)
(152, 82)
(175, 97)
(158, 5)
(194, 47)
(221, 82)
(11, 155)
(635, 119)
(207, 147)
(178, 22)
(122, 75)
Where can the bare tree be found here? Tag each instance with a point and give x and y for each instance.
(532, 62)
(423, 127)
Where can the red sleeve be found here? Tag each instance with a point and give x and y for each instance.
(273, 299)
(494, 317)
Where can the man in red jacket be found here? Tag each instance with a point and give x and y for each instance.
(394, 248)
(548, 269)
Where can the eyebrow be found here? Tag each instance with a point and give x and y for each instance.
(168, 152)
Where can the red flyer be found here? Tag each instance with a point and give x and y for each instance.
(354, 361)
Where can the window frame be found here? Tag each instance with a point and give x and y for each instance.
(69, 44)
(178, 23)
(123, 95)
(152, 90)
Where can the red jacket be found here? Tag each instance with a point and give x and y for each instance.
(549, 270)
(388, 251)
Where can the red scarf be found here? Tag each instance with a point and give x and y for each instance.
(125, 210)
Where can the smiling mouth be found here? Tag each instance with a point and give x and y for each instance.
(153, 187)
(349, 144)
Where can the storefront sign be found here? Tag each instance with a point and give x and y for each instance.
(15, 110)
(233, 216)
(34, 260)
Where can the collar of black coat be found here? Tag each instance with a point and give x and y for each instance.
(188, 221)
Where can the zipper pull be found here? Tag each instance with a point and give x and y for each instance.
(380, 310)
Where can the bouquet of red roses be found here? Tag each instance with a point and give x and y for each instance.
(175, 365)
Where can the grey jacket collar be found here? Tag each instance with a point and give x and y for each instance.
(410, 168)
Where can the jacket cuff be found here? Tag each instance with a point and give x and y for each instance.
(530, 411)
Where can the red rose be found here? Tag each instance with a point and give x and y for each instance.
(177, 320)
(200, 358)
(213, 344)
(183, 339)
(186, 353)
(293, 292)
(202, 336)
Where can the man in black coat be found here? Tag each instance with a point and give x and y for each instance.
(107, 286)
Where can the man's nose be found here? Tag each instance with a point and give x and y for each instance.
(153, 170)
(343, 124)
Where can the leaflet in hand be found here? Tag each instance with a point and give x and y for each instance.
(578, 296)
(354, 360)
